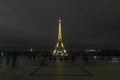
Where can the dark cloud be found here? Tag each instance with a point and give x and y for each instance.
(85, 23)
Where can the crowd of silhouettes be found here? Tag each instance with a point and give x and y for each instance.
(11, 57)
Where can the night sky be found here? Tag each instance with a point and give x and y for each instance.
(85, 23)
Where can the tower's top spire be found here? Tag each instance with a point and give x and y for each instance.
(59, 19)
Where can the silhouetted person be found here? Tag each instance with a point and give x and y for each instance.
(73, 58)
(29, 54)
(42, 62)
(54, 57)
(8, 58)
(0, 60)
(14, 58)
(110, 59)
(1, 57)
(34, 57)
(44, 56)
(66, 57)
(102, 58)
(30, 57)
(50, 57)
(85, 58)
(61, 59)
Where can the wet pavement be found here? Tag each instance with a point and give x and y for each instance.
(57, 70)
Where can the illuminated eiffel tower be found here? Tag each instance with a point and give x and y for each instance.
(59, 48)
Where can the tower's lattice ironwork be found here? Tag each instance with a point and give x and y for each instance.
(59, 48)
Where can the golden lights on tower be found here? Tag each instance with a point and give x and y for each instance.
(59, 48)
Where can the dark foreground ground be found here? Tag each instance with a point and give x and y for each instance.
(59, 70)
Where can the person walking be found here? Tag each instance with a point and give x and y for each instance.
(14, 58)
(8, 58)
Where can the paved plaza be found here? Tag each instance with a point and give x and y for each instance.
(59, 70)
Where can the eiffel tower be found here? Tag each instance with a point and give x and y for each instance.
(59, 48)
